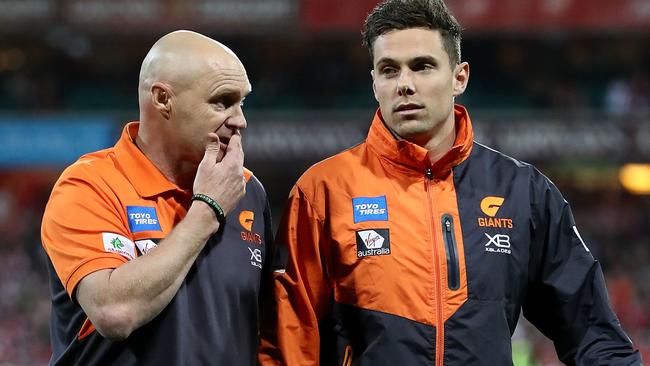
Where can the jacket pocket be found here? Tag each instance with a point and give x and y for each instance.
(451, 251)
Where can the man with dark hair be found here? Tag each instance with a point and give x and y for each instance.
(420, 246)
(400, 15)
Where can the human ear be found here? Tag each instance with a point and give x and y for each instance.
(461, 78)
(161, 99)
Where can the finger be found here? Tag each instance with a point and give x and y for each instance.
(235, 142)
(235, 150)
(212, 148)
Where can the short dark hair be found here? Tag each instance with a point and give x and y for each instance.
(403, 14)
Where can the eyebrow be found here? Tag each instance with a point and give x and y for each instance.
(415, 60)
(386, 60)
(229, 92)
(424, 59)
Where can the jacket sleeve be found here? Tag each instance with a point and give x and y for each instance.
(300, 295)
(566, 297)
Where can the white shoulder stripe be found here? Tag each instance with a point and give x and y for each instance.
(575, 229)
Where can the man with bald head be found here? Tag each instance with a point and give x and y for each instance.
(157, 245)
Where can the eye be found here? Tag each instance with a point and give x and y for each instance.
(218, 105)
(423, 66)
(388, 71)
(222, 102)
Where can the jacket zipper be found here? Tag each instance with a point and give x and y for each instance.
(453, 272)
(347, 357)
(440, 327)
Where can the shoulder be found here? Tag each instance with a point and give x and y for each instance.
(341, 166)
(490, 155)
(252, 181)
(494, 164)
(90, 167)
(506, 168)
(255, 188)
(86, 180)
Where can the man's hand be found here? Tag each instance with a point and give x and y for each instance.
(116, 301)
(223, 181)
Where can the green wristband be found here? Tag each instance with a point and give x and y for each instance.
(218, 211)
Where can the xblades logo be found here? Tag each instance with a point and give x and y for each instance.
(373, 242)
(256, 257)
(498, 243)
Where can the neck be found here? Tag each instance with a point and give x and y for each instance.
(176, 169)
(442, 140)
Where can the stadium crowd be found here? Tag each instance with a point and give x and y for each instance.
(333, 72)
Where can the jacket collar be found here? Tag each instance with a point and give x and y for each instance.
(415, 158)
(147, 180)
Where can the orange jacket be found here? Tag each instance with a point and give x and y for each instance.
(391, 260)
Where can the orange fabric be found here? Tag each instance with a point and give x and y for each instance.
(247, 175)
(304, 267)
(90, 266)
(319, 232)
(91, 198)
(86, 329)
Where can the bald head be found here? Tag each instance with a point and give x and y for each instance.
(179, 58)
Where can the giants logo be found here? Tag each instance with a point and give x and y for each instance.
(490, 205)
(246, 219)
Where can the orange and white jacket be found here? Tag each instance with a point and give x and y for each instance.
(387, 259)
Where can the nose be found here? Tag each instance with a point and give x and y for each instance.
(405, 84)
(237, 120)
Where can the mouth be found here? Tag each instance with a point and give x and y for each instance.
(408, 108)
(223, 142)
(224, 139)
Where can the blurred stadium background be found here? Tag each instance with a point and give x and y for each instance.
(563, 84)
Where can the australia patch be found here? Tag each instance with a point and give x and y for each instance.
(373, 242)
(369, 209)
(145, 245)
(142, 218)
